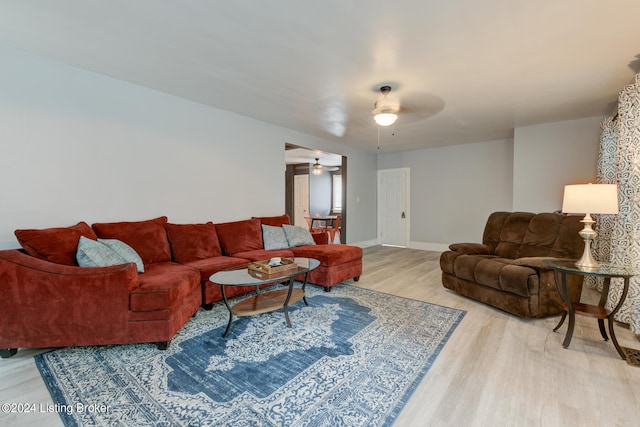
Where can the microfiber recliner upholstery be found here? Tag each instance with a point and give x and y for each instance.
(506, 270)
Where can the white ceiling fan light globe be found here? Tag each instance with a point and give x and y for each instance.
(385, 119)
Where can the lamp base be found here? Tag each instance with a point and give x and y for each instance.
(588, 234)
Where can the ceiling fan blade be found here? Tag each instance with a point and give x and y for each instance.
(420, 106)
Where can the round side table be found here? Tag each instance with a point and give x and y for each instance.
(562, 267)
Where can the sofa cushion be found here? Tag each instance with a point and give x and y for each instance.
(125, 251)
(298, 236)
(276, 221)
(209, 266)
(240, 236)
(56, 245)
(162, 285)
(329, 255)
(148, 238)
(540, 235)
(274, 237)
(91, 253)
(488, 271)
(191, 242)
(512, 234)
(464, 266)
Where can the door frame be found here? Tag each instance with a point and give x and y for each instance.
(406, 181)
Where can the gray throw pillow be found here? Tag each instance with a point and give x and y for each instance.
(125, 251)
(91, 253)
(298, 236)
(274, 237)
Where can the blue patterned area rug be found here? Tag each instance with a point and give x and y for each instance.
(352, 358)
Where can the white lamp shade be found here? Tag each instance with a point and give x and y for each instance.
(385, 119)
(590, 199)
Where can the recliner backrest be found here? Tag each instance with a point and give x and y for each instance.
(524, 234)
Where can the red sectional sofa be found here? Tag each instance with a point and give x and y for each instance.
(47, 300)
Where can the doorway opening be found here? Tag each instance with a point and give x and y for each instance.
(315, 185)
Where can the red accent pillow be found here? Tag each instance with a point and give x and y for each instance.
(148, 238)
(240, 236)
(192, 242)
(57, 245)
(275, 221)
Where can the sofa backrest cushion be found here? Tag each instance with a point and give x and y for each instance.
(275, 221)
(56, 245)
(540, 235)
(148, 238)
(569, 244)
(512, 234)
(240, 236)
(192, 242)
(524, 234)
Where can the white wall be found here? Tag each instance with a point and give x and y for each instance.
(454, 189)
(549, 156)
(76, 146)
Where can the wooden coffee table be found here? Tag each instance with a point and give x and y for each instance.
(264, 302)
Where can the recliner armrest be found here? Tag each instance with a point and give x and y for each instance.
(536, 262)
(471, 248)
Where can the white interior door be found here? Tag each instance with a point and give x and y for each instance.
(300, 199)
(393, 207)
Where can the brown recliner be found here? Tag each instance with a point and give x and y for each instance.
(506, 271)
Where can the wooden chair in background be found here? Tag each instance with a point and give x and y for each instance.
(307, 218)
(334, 229)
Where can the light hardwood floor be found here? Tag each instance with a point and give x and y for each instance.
(495, 370)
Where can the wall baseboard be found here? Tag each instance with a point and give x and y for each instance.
(365, 244)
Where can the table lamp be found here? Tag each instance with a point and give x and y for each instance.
(589, 199)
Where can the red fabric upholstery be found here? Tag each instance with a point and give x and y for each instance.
(191, 242)
(329, 254)
(212, 265)
(143, 326)
(47, 304)
(328, 276)
(148, 238)
(337, 263)
(56, 245)
(320, 238)
(275, 221)
(52, 305)
(240, 236)
(162, 285)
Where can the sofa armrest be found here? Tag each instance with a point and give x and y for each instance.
(471, 248)
(44, 304)
(533, 262)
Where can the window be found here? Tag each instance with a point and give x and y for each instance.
(336, 194)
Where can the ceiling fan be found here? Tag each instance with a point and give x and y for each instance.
(385, 110)
(317, 168)
(415, 106)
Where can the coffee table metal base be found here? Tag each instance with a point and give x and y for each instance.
(265, 302)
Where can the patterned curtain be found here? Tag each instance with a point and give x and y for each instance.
(607, 174)
(619, 235)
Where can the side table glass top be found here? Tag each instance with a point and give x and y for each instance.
(604, 269)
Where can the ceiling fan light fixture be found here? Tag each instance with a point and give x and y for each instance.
(317, 168)
(385, 119)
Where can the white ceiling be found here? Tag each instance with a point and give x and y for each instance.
(463, 70)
